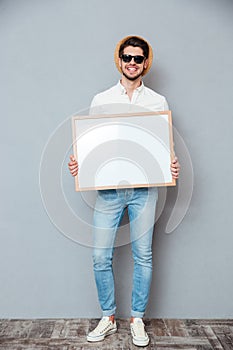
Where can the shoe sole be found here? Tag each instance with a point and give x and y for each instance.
(141, 342)
(100, 338)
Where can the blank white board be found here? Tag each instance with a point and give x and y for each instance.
(123, 150)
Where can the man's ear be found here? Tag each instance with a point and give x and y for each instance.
(145, 63)
(119, 61)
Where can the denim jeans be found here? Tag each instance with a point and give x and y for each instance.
(109, 210)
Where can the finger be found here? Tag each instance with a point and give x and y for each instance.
(74, 174)
(71, 164)
(175, 165)
(175, 174)
(73, 168)
(72, 158)
(175, 168)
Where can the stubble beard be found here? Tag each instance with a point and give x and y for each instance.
(132, 78)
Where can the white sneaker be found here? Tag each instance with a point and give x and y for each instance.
(104, 328)
(139, 335)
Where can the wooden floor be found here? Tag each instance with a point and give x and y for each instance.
(70, 334)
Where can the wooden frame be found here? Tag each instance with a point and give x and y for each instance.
(123, 150)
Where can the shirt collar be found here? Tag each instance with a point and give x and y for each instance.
(123, 90)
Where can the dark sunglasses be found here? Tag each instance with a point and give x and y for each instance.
(137, 59)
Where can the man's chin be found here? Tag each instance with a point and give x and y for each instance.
(132, 78)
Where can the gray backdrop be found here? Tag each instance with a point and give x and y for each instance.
(55, 55)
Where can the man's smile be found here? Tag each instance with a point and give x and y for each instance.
(132, 68)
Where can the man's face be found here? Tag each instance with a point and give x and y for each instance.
(132, 70)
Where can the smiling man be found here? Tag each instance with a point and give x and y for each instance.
(132, 62)
(133, 59)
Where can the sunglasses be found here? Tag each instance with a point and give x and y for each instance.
(137, 59)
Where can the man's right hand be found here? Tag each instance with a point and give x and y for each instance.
(73, 165)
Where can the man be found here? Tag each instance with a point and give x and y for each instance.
(133, 58)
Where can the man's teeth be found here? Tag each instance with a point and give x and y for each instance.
(132, 69)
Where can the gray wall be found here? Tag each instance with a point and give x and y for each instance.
(55, 55)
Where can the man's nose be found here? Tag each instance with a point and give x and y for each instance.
(132, 59)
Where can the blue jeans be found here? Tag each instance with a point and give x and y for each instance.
(109, 210)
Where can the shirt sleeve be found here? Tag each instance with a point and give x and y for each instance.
(94, 102)
(166, 107)
(95, 107)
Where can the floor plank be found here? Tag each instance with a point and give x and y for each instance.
(70, 334)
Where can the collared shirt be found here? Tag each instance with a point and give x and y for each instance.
(142, 97)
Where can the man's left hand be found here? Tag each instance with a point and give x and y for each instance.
(175, 168)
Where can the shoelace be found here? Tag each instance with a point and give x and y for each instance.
(138, 328)
(103, 325)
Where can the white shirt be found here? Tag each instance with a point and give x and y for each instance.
(108, 101)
